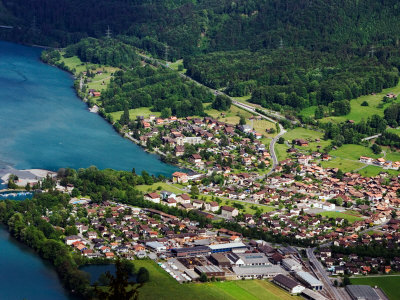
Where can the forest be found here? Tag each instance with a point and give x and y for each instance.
(296, 78)
(158, 88)
(190, 27)
(105, 51)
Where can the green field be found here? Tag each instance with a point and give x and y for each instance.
(280, 150)
(358, 112)
(350, 216)
(345, 165)
(389, 284)
(371, 171)
(162, 286)
(309, 135)
(164, 186)
(353, 152)
(133, 113)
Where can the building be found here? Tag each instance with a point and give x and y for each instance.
(69, 240)
(179, 177)
(228, 247)
(288, 284)
(156, 246)
(362, 292)
(191, 251)
(258, 272)
(291, 265)
(229, 212)
(220, 260)
(309, 280)
(153, 197)
(210, 271)
(248, 259)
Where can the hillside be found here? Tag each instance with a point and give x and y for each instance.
(190, 27)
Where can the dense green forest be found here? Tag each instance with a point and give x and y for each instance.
(297, 78)
(106, 51)
(156, 87)
(189, 26)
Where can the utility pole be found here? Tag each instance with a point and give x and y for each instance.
(108, 32)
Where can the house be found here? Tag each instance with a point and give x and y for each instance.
(69, 240)
(184, 198)
(229, 212)
(96, 94)
(179, 150)
(212, 206)
(153, 197)
(288, 284)
(196, 160)
(300, 142)
(179, 177)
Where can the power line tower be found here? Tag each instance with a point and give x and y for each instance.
(372, 51)
(166, 54)
(108, 32)
(281, 43)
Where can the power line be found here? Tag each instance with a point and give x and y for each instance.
(281, 44)
(372, 51)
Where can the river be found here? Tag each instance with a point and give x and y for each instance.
(43, 124)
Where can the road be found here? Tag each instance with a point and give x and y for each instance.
(371, 137)
(323, 277)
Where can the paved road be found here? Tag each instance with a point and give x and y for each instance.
(371, 137)
(323, 277)
(275, 162)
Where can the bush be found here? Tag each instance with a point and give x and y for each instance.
(365, 103)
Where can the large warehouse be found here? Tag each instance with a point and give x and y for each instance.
(362, 292)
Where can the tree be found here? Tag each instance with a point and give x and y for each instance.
(143, 275)
(365, 103)
(242, 120)
(194, 191)
(281, 140)
(124, 120)
(221, 102)
(166, 113)
(339, 174)
(203, 277)
(118, 284)
(376, 149)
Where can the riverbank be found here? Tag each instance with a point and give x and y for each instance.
(29, 176)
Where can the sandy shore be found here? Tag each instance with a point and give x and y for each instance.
(25, 176)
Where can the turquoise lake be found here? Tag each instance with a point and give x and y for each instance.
(43, 124)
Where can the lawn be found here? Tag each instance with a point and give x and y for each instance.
(353, 152)
(371, 171)
(155, 186)
(281, 151)
(350, 216)
(309, 135)
(163, 287)
(346, 165)
(359, 112)
(133, 113)
(389, 284)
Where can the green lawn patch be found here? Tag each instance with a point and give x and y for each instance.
(389, 284)
(359, 112)
(345, 165)
(353, 152)
(134, 113)
(371, 171)
(162, 185)
(310, 136)
(334, 214)
(162, 286)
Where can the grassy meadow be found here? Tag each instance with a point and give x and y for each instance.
(389, 284)
(163, 286)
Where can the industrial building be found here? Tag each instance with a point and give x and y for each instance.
(291, 265)
(288, 284)
(191, 251)
(248, 259)
(220, 260)
(362, 292)
(228, 247)
(258, 272)
(309, 280)
(210, 271)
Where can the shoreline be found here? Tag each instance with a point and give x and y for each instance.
(97, 111)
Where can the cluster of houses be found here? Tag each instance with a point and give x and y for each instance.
(353, 264)
(386, 164)
(235, 145)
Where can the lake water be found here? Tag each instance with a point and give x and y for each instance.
(43, 124)
(24, 275)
